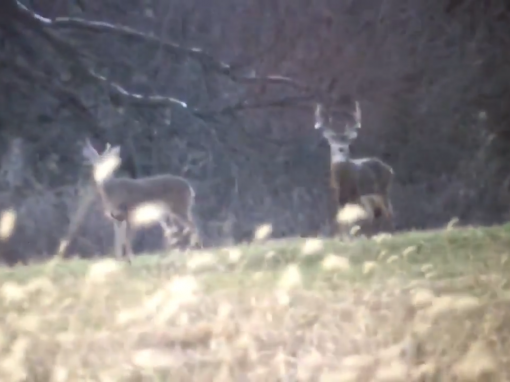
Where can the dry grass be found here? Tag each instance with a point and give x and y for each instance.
(414, 307)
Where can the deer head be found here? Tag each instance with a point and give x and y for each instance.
(103, 167)
(339, 124)
(103, 164)
(340, 120)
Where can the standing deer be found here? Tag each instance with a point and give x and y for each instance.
(167, 196)
(365, 181)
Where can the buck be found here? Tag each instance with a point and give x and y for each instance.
(166, 197)
(365, 181)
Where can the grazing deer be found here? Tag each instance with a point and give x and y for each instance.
(167, 197)
(365, 181)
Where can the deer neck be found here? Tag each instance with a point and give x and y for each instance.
(107, 209)
(339, 151)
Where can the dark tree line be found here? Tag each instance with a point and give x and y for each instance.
(220, 92)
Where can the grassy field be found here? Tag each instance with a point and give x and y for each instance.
(420, 306)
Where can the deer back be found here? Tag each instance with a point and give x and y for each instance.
(124, 194)
(373, 176)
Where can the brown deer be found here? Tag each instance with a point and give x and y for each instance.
(365, 181)
(164, 197)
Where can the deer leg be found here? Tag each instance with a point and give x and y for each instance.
(122, 240)
(195, 235)
(383, 211)
(186, 220)
(341, 228)
(335, 228)
(390, 215)
(377, 210)
(128, 233)
(118, 239)
(166, 224)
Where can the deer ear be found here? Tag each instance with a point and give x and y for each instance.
(115, 150)
(89, 152)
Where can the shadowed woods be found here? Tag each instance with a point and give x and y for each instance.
(219, 99)
(360, 190)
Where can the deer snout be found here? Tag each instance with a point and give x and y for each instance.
(120, 213)
(331, 136)
(117, 216)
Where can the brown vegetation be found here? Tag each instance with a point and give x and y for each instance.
(416, 307)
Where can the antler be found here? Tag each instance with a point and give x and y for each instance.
(352, 132)
(319, 120)
(357, 114)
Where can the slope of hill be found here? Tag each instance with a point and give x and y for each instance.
(418, 306)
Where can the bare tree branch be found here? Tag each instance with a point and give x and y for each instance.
(257, 104)
(119, 96)
(196, 53)
(59, 92)
(40, 25)
(133, 34)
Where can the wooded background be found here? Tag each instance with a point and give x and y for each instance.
(220, 93)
